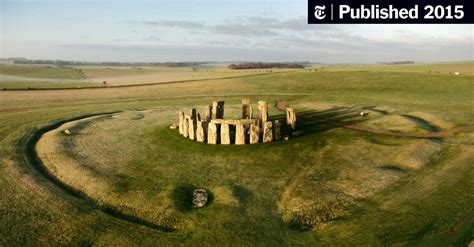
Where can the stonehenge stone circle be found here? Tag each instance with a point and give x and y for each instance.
(214, 129)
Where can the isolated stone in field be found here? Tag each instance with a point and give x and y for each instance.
(277, 130)
(291, 117)
(267, 131)
(173, 126)
(186, 126)
(200, 197)
(212, 133)
(181, 122)
(286, 138)
(67, 132)
(262, 112)
(246, 109)
(225, 135)
(254, 133)
(239, 134)
(363, 113)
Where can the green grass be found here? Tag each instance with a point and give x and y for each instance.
(42, 72)
(255, 188)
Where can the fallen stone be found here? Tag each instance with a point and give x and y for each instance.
(200, 197)
(67, 132)
(173, 126)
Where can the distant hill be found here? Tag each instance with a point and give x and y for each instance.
(265, 66)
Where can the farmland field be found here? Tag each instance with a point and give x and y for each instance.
(33, 77)
(123, 176)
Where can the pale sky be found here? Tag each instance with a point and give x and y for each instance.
(214, 30)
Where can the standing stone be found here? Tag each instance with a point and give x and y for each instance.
(212, 133)
(239, 134)
(291, 117)
(246, 109)
(193, 114)
(277, 130)
(217, 110)
(225, 135)
(220, 110)
(200, 131)
(262, 112)
(186, 126)
(254, 133)
(191, 131)
(208, 113)
(267, 131)
(181, 122)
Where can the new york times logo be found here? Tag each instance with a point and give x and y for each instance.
(390, 11)
(319, 12)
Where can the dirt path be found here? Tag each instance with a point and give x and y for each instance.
(282, 107)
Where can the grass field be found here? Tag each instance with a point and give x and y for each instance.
(331, 186)
(35, 76)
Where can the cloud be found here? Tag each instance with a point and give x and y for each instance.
(171, 24)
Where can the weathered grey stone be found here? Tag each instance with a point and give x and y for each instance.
(217, 110)
(200, 197)
(225, 134)
(239, 134)
(246, 109)
(291, 117)
(254, 133)
(208, 113)
(267, 131)
(262, 112)
(181, 122)
(191, 130)
(212, 133)
(201, 131)
(277, 130)
(186, 126)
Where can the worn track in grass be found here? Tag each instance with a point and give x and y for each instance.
(436, 134)
(34, 162)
